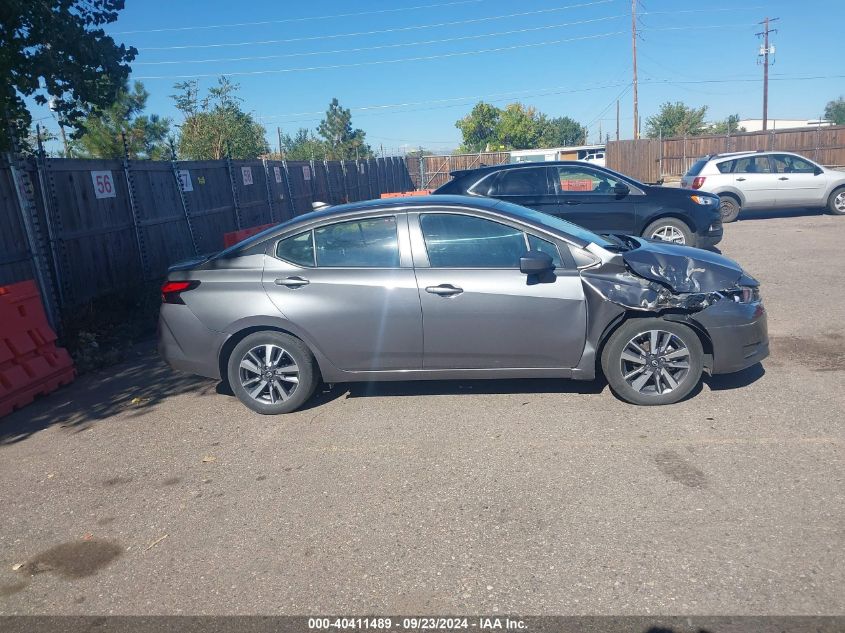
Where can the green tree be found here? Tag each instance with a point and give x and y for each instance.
(479, 127)
(216, 125)
(729, 125)
(835, 111)
(560, 131)
(146, 135)
(342, 142)
(303, 145)
(57, 51)
(676, 119)
(518, 127)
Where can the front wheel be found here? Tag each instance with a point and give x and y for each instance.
(836, 202)
(670, 230)
(652, 361)
(272, 372)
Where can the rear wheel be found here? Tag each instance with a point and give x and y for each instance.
(652, 361)
(730, 208)
(670, 230)
(836, 202)
(272, 372)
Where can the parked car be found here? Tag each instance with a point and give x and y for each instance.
(596, 158)
(443, 287)
(598, 199)
(767, 180)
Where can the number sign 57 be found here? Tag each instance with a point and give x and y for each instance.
(103, 184)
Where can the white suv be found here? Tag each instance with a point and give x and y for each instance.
(767, 180)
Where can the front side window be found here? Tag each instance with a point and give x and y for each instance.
(788, 164)
(572, 179)
(298, 249)
(464, 241)
(530, 181)
(370, 243)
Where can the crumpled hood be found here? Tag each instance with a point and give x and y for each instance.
(684, 269)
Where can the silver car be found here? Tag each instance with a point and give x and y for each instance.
(455, 287)
(767, 180)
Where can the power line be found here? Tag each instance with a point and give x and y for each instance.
(379, 31)
(303, 19)
(381, 46)
(731, 9)
(384, 61)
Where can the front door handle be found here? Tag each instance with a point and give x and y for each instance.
(444, 290)
(783, 178)
(573, 202)
(292, 282)
(740, 179)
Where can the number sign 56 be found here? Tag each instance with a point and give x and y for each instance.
(103, 184)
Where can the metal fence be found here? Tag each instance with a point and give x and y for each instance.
(652, 159)
(85, 228)
(431, 172)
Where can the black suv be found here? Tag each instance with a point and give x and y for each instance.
(598, 199)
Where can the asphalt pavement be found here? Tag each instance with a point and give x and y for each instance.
(139, 490)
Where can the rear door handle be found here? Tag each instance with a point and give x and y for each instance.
(444, 290)
(740, 179)
(292, 282)
(783, 178)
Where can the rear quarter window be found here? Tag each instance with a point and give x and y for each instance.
(697, 166)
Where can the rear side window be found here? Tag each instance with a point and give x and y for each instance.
(298, 249)
(752, 165)
(531, 181)
(697, 166)
(463, 241)
(370, 243)
(726, 167)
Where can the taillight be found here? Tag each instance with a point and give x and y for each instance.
(698, 182)
(171, 290)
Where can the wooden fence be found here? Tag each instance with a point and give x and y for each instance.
(84, 228)
(652, 159)
(433, 171)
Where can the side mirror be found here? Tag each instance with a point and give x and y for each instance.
(536, 263)
(818, 171)
(621, 189)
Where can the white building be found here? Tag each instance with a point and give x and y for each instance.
(755, 125)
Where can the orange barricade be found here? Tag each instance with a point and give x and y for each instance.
(30, 362)
(403, 194)
(232, 238)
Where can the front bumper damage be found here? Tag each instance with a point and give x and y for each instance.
(708, 292)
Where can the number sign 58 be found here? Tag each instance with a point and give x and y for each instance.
(103, 184)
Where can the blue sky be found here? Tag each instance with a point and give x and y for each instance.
(410, 68)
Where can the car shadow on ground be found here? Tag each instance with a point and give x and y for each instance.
(769, 214)
(131, 387)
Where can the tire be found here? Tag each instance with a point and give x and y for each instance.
(290, 389)
(730, 209)
(836, 202)
(674, 230)
(681, 344)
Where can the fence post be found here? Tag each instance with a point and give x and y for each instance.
(185, 209)
(291, 202)
(328, 182)
(422, 170)
(25, 197)
(133, 208)
(47, 200)
(269, 190)
(313, 181)
(235, 198)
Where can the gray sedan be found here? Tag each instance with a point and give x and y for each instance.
(455, 287)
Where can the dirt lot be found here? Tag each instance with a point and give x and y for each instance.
(141, 491)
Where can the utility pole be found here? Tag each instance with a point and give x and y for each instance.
(764, 53)
(634, 51)
(617, 119)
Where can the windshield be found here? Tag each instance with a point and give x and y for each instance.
(555, 224)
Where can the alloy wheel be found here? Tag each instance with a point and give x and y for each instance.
(669, 233)
(269, 374)
(655, 362)
(839, 202)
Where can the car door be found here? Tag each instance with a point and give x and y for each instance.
(586, 197)
(479, 310)
(798, 183)
(754, 177)
(350, 285)
(526, 186)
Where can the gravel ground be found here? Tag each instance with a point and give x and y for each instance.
(138, 490)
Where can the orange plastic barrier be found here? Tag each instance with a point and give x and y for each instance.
(403, 194)
(30, 362)
(232, 238)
